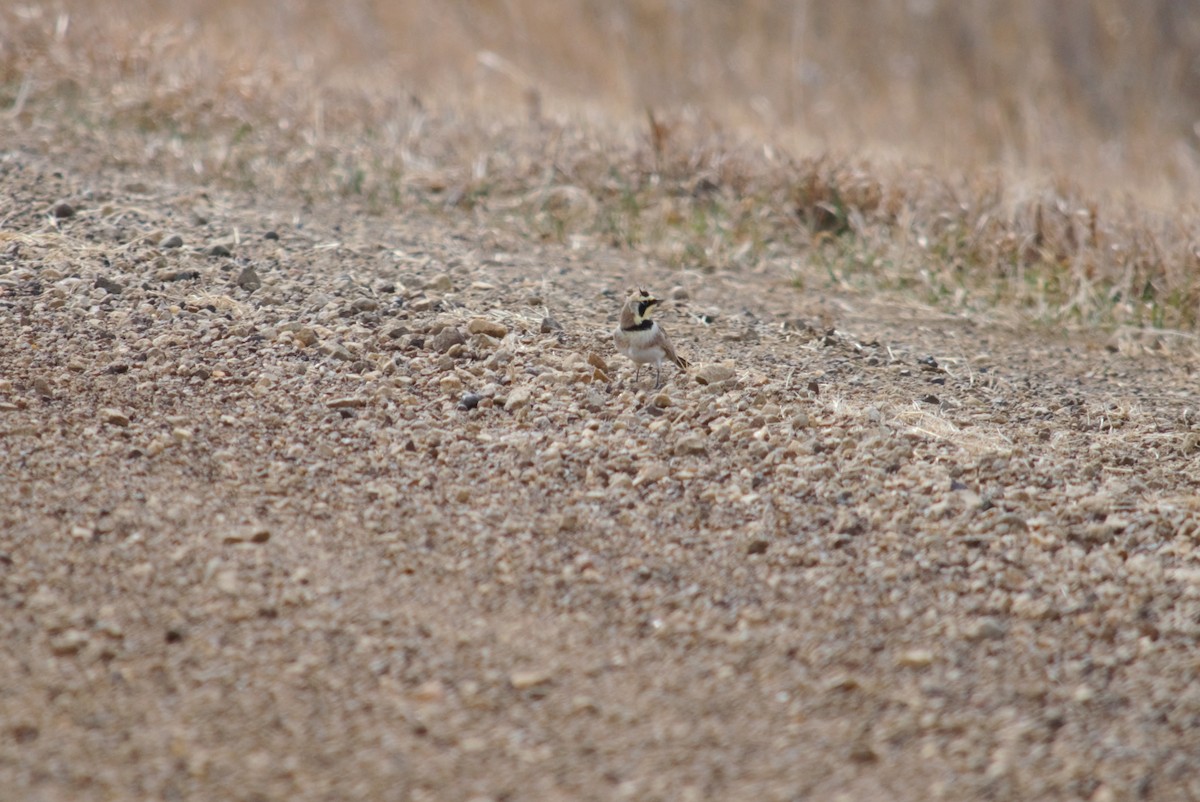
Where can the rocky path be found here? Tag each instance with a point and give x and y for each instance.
(301, 503)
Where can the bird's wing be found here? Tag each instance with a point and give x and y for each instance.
(669, 347)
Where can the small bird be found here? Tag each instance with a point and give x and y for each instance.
(642, 339)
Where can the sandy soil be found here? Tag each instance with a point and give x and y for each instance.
(254, 546)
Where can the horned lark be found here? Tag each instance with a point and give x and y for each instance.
(642, 339)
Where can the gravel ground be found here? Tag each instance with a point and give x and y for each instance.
(300, 503)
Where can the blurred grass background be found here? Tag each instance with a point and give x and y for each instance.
(1097, 89)
(1042, 152)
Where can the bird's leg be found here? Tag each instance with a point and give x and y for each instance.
(657, 376)
(637, 373)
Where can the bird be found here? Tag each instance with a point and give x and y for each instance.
(641, 339)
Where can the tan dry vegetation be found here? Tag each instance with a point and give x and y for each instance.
(302, 496)
(479, 105)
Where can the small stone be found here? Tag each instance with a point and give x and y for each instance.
(524, 680)
(757, 546)
(251, 534)
(915, 658)
(519, 397)
(305, 336)
(447, 338)
(69, 642)
(364, 305)
(42, 387)
(597, 361)
(248, 279)
(114, 417)
(651, 474)
(469, 401)
(172, 241)
(690, 444)
(481, 325)
(713, 373)
(227, 581)
(220, 250)
(863, 752)
(109, 286)
(63, 210)
(484, 342)
(177, 275)
(986, 629)
(549, 324)
(441, 283)
(271, 235)
(679, 294)
(430, 691)
(347, 402)
(451, 384)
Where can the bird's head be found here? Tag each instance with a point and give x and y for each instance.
(643, 305)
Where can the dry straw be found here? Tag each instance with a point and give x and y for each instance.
(1033, 156)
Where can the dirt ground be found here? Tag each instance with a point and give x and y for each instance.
(298, 502)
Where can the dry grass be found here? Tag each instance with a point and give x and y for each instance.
(536, 117)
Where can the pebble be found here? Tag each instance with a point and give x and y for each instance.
(441, 283)
(651, 474)
(305, 336)
(549, 324)
(518, 398)
(114, 417)
(109, 286)
(597, 361)
(447, 338)
(63, 210)
(431, 691)
(713, 373)
(69, 642)
(347, 402)
(42, 387)
(172, 241)
(690, 444)
(451, 384)
(220, 250)
(176, 275)
(469, 401)
(248, 279)
(523, 680)
(986, 629)
(227, 581)
(481, 325)
(251, 534)
(915, 658)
